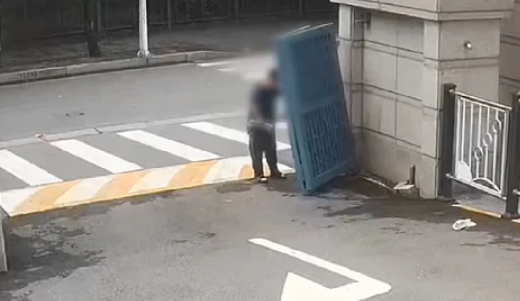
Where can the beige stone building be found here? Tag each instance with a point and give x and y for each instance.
(397, 54)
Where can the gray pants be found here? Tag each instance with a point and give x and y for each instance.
(262, 141)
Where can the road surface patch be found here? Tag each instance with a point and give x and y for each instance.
(117, 186)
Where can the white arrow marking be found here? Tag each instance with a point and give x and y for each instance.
(297, 288)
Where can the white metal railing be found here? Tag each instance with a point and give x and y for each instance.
(481, 141)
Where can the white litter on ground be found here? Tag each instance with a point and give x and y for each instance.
(463, 224)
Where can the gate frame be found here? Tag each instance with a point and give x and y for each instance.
(308, 181)
(447, 144)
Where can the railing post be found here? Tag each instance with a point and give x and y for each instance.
(447, 141)
(513, 159)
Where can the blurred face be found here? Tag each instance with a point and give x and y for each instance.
(273, 83)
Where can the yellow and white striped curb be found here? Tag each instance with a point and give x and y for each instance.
(111, 187)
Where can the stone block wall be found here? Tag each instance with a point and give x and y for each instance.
(395, 57)
(392, 76)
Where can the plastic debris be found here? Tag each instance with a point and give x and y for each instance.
(463, 224)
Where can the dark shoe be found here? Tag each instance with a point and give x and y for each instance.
(261, 179)
(277, 175)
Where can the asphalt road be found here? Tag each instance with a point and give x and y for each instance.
(193, 245)
(117, 98)
(86, 127)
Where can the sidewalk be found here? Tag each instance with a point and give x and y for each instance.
(227, 36)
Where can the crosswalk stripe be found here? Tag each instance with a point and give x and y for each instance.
(25, 170)
(254, 75)
(227, 133)
(170, 146)
(95, 156)
(12, 199)
(227, 70)
(214, 64)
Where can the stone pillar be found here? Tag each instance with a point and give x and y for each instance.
(510, 54)
(448, 59)
(350, 51)
(394, 68)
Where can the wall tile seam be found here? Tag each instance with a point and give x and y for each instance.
(433, 112)
(355, 43)
(356, 87)
(391, 48)
(508, 81)
(472, 15)
(439, 42)
(509, 40)
(473, 10)
(396, 83)
(461, 63)
(408, 11)
(463, 15)
(438, 9)
(400, 53)
(430, 157)
(402, 143)
(395, 95)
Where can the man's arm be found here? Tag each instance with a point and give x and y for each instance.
(256, 98)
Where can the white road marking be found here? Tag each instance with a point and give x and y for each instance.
(214, 64)
(225, 170)
(227, 70)
(10, 200)
(230, 168)
(25, 170)
(84, 190)
(170, 146)
(298, 288)
(254, 75)
(283, 168)
(96, 156)
(227, 133)
(364, 288)
(156, 179)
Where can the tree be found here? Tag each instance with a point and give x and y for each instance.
(92, 26)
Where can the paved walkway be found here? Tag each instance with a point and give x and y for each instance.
(224, 36)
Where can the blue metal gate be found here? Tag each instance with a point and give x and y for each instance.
(321, 137)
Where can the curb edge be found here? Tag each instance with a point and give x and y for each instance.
(484, 212)
(33, 75)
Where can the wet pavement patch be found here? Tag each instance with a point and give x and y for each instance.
(39, 251)
(356, 199)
